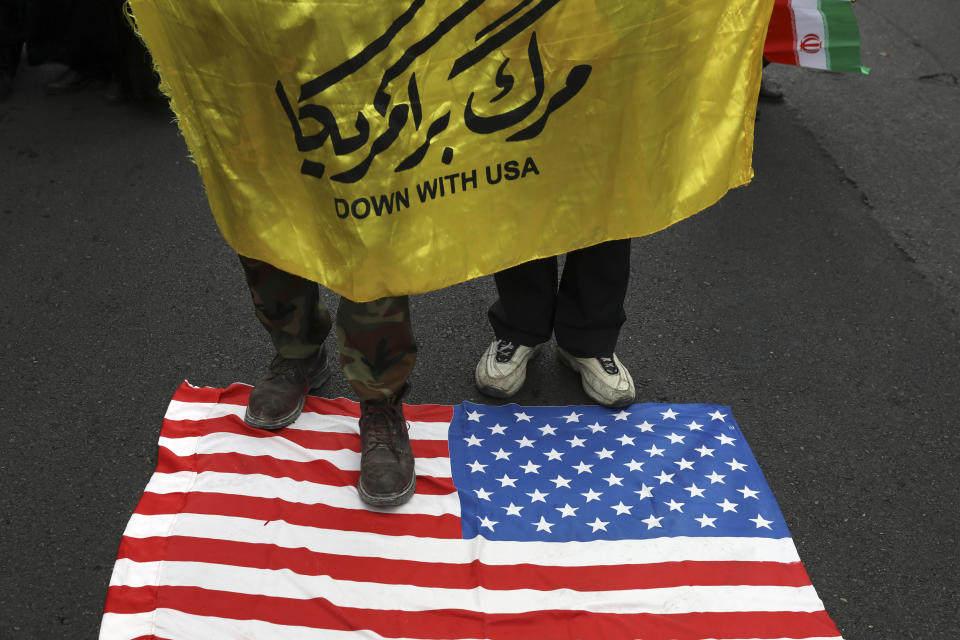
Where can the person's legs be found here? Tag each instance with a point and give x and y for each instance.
(522, 320)
(377, 353)
(290, 309)
(588, 320)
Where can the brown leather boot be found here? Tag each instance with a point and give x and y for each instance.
(277, 400)
(387, 477)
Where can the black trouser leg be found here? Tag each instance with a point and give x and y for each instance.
(523, 314)
(589, 310)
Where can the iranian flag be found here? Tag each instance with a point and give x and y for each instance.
(821, 34)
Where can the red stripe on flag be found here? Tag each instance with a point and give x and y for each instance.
(463, 576)
(308, 515)
(781, 43)
(455, 623)
(316, 471)
(239, 394)
(319, 440)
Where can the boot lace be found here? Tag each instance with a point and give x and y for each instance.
(380, 425)
(282, 367)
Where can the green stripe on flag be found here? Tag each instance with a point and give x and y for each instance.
(841, 36)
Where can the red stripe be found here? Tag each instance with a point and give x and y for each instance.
(319, 516)
(453, 623)
(239, 394)
(316, 471)
(320, 440)
(781, 44)
(462, 576)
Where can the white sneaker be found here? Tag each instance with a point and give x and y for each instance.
(502, 369)
(605, 379)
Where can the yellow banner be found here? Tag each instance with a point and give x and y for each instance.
(394, 147)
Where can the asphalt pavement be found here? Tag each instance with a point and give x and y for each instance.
(820, 302)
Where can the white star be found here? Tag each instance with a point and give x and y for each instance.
(726, 505)
(583, 468)
(547, 430)
(736, 466)
(715, 478)
(748, 492)
(530, 467)
(573, 417)
(553, 454)
(483, 494)
(761, 522)
(621, 508)
(694, 426)
(507, 481)
(596, 426)
(592, 495)
(613, 480)
(665, 477)
(502, 455)
(598, 524)
(512, 510)
(675, 506)
(625, 440)
(621, 416)
(704, 451)
(716, 415)
(473, 441)
(674, 438)
(567, 510)
(525, 442)
(560, 481)
(669, 414)
(683, 463)
(724, 439)
(695, 491)
(633, 465)
(706, 522)
(604, 453)
(485, 522)
(576, 442)
(646, 426)
(497, 430)
(473, 415)
(652, 522)
(522, 417)
(654, 451)
(536, 496)
(476, 466)
(645, 491)
(543, 525)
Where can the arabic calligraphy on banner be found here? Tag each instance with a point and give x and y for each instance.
(396, 147)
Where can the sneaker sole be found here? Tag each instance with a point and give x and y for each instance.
(568, 360)
(389, 500)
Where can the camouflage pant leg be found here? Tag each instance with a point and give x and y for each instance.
(377, 349)
(288, 307)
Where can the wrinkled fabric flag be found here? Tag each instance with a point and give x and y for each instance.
(820, 34)
(387, 148)
(651, 522)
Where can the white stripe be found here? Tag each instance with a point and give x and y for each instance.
(284, 583)
(456, 551)
(283, 449)
(807, 20)
(124, 626)
(171, 623)
(290, 490)
(308, 420)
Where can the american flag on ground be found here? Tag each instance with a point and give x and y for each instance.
(653, 522)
